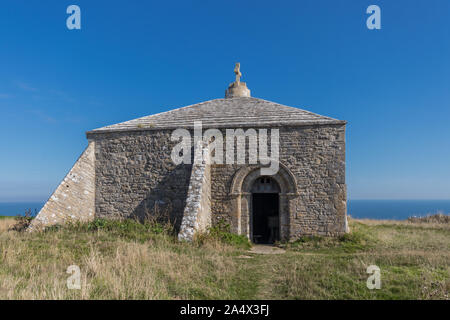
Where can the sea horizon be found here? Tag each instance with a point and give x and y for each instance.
(392, 209)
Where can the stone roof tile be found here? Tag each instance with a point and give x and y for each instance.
(225, 113)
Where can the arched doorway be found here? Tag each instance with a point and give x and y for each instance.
(242, 204)
(265, 217)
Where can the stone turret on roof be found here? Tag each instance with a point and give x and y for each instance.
(237, 88)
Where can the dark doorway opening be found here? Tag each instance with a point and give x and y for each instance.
(265, 218)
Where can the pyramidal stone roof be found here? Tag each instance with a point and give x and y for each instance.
(238, 112)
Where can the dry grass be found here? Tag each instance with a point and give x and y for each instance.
(6, 223)
(33, 266)
(423, 222)
(414, 259)
(129, 261)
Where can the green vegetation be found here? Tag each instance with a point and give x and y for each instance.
(222, 233)
(131, 260)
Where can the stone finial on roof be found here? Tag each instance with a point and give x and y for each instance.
(237, 88)
(237, 71)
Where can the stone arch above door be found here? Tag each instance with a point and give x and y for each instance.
(240, 193)
(245, 176)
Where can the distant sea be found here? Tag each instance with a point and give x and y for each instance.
(16, 208)
(372, 209)
(396, 209)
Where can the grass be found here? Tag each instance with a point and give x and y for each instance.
(222, 233)
(130, 260)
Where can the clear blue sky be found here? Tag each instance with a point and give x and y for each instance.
(134, 58)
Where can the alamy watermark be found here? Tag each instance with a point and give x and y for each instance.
(211, 147)
(74, 281)
(374, 20)
(74, 20)
(374, 280)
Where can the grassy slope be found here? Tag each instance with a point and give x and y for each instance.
(130, 261)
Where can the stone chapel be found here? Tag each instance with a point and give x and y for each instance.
(128, 171)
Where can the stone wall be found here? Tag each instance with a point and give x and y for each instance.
(136, 177)
(315, 155)
(73, 199)
(197, 213)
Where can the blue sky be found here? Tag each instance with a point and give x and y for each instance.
(134, 58)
